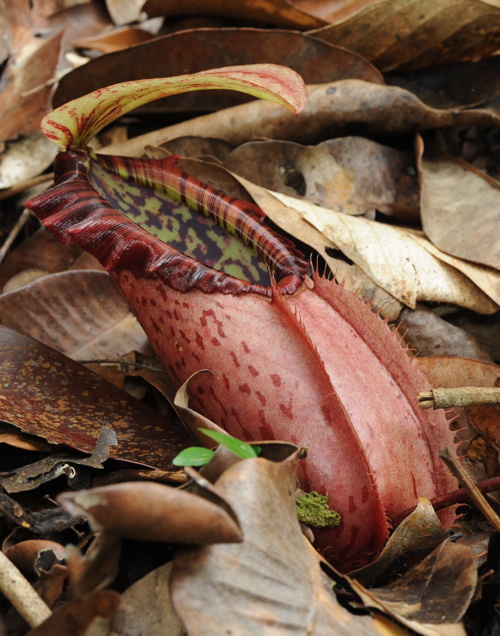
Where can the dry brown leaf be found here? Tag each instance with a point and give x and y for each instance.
(429, 335)
(146, 511)
(418, 533)
(26, 97)
(351, 276)
(80, 313)
(271, 583)
(390, 257)
(41, 251)
(49, 395)
(460, 210)
(116, 40)
(77, 616)
(351, 174)
(333, 110)
(332, 10)
(422, 595)
(146, 607)
(278, 12)
(414, 34)
(196, 50)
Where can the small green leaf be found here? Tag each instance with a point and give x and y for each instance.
(236, 446)
(193, 456)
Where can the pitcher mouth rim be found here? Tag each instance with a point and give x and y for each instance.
(76, 213)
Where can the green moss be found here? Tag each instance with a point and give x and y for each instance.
(312, 509)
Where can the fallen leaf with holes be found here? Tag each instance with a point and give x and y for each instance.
(350, 174)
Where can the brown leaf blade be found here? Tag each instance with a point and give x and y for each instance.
(49, 395)
(80, 313)
(413, 34)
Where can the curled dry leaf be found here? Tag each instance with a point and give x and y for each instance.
(419, 533)
(49, 395)
(196, 50)
(271, 582)
(351, 174)
(333, 109)
(422, 595)
(80, 313)
(459, 208)
(153, 512)
(415, 34)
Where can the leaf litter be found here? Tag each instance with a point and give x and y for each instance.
(436, 221)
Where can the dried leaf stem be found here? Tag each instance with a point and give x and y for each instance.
(473, 491)
(460, 396)
(21, 594)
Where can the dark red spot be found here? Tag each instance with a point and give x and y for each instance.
(183, 335)
(153, 302)
(326, 413)
(364, 494)
(244, 388)
(253, 371)
(287, 411)
(245, 347)
(235, 359)
(226, 381)
(262, 399)
(199, 341)
(215, 342)
(172, 331)
(196, 357)
(211, 313)
(176, 315)
(200, 390)
(155, 326)
(264, 428)
(276, 379)
(352, 505)
(144, 301)
(186, 305)
(218, 400)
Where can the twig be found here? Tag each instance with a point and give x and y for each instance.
(119, 362)
(474, 493)
(24, 185)
(460, 396)
(21, 221)
(21, 594)
(459, 496)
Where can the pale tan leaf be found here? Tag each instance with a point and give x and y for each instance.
(460, 208)
(488, 280)
(393, 259)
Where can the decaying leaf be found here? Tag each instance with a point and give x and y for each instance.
(350, 174)
(47, 394)
(430, 335)
(389, 256)
(80, 313)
